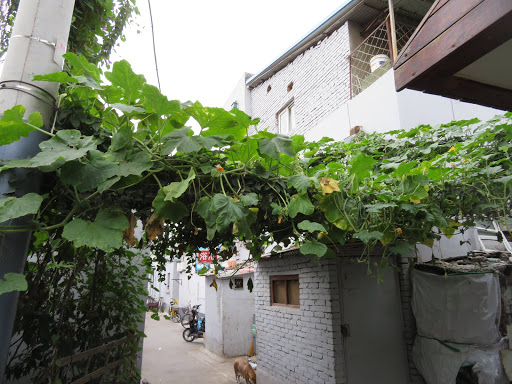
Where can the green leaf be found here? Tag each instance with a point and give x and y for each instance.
(80, 66)
(377, 208)
(227, 210)
(13, 282)
(275, 146)
(66, 145)
(123, 76)
(58, 77)
(168, 210)
(121, 138)
(366, 236)
(204, 210)
(300, 204)
(12, 126)
(309, 226)
(12, 207)
(249, 199)
(127, 108)
(86, 177)
(361, 165)
(313, 248)
(176, 189)
(105, 233)
(300, 182)
(404, 169)
(402, 248)
(181, 140)
(135, 164)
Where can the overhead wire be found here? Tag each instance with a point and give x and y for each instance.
(154, 48)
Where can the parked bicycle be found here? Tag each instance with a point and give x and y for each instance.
(196, 327)
(174, 311)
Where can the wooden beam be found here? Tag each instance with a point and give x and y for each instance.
(467, 90)
(484, 28)
(436, 25)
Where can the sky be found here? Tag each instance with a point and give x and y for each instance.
(204, 47)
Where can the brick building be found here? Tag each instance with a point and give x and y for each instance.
(336, 325)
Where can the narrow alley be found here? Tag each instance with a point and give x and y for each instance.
(167, 358)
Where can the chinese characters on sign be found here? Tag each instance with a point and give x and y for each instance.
(205, 257)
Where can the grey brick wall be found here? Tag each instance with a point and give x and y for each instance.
(320, 79)
(408, 317)
(299, 345)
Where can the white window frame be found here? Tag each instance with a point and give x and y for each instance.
(286, 119)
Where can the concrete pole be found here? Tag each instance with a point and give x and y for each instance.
(39, 38)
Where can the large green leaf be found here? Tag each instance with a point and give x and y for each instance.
(366, 237)
(80, 66)
(88, 176)
(105, 233)
(176, 189)
(58, 77)
(168, 210)
(12, 126)
(378, 207)
(12, 207)
(313, 248)
(277, 145)
(249, 199)
(135, 164)
(227, 210)
(66, 145)
(181, 140)
(123, 76)
(300, 204)
(204, 210)
(13, 282)
(300, 182)
(309, 226)
(121, 138)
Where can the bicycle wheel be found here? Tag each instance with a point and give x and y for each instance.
(176, 317)
(187, 335)
(185, 320)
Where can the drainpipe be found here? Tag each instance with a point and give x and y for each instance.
(394, 51)
(38, 40)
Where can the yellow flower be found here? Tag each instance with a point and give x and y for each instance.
(219, 168)
(399, 231)
(451, 149)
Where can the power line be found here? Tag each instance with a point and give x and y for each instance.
(154, 49)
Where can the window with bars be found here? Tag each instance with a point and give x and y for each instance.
(372, 58)
(284, 290)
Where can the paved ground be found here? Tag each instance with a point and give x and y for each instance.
(167, 358)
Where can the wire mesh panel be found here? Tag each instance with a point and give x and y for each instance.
(371, 59)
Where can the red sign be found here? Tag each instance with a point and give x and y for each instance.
(205, 257)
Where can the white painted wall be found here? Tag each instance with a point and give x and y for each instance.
(240, 94)
(229, 317)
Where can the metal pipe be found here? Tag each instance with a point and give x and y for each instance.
(394, 52)
(39, 38)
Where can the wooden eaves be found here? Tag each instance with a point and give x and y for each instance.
(452, 35)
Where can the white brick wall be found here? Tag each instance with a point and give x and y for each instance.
(303, 345)
(320, 79)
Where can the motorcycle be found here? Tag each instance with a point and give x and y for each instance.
(196, 327)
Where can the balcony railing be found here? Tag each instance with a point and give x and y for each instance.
(372, 58)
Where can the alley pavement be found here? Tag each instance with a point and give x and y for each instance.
(167, 358)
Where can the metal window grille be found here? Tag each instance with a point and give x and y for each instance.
(377, 43)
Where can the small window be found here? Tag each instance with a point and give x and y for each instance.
(239, 283)
(286, 120)
(284, 290)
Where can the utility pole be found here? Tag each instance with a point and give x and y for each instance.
(39, 38)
